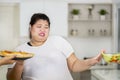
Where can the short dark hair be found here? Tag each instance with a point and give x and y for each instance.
(37, 16)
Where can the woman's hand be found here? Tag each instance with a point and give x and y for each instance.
(97, 58)
(7, 60)
(78, 65)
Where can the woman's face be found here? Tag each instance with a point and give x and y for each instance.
(40, 30)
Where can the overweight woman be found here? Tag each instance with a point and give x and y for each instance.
(54, 56)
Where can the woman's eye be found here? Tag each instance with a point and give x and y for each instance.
(38, 26)
(46, 27)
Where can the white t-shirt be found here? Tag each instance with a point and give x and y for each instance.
(49, 62)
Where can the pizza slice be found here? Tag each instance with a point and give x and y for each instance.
(18, 54)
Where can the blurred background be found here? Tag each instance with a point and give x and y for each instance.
(88, 25)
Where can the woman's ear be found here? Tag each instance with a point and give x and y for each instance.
(30, 28)
(30, 32)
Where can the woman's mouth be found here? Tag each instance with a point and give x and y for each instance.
(42, 34)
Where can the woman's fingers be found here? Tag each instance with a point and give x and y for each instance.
(99, 56)
(103, 51)
(8, 60)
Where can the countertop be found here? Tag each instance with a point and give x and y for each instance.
(108, 66)
(106, 72)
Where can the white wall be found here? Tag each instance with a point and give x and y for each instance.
(56, 12)
(26, 11)
(89, 47)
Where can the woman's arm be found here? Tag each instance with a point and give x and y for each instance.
(7, 60)
(77, 65)
(15, 73)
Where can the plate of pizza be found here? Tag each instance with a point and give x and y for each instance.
(19, 55)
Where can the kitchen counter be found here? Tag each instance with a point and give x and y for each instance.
(3, 71)
(108, 66)
(99, 72)
(106, 74)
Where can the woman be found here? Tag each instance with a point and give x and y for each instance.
(54, 56)
(7, 60)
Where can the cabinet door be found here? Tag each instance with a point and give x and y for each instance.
(118, 29)
(76, 75)
(85, 75)
(9, 26)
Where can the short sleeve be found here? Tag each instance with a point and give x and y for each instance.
(64, 46)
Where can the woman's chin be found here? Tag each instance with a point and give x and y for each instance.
(42, 39)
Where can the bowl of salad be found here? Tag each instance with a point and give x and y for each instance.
(115, 57)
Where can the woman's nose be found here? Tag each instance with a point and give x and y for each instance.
(42, 29)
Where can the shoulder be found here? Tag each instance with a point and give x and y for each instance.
(24, 44)
(21, 46)
(59, 40)
(56, 38)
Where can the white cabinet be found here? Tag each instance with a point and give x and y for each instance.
(9, 26)
(84, 75)
(89, 23)
(56, 12)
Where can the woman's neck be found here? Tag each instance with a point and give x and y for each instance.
(36, 43)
